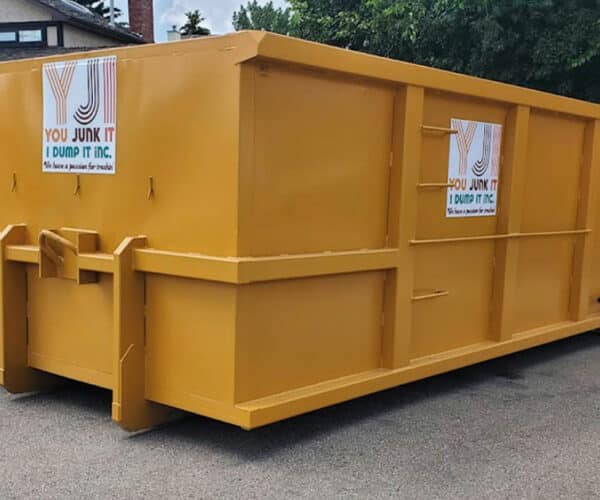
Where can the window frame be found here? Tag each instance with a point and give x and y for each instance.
(31, 26)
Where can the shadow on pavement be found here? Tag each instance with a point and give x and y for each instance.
(267, 441)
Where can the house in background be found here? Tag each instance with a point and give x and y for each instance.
(34, 28)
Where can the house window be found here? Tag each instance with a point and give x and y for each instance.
(8, 36)
(52, 36)
(29, 36)
(34, 34)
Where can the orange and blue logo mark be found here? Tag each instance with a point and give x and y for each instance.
(100, 90)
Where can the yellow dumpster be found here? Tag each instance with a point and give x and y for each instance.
(250, 227)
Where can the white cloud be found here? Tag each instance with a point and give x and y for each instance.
(174, 13)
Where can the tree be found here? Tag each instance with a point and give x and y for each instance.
(193, 25)
(545, 44)
(551, 45)
(100, 7)
(262, 17)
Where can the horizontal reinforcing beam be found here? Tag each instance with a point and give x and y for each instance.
(244, 270)
(234, 270)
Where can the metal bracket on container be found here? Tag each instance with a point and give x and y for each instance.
(59, 255)
(77, 190)
(434, 294)
(434, 185)
(150, 191)
(442, 130)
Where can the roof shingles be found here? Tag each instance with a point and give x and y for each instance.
(31, 52)
(77, 15)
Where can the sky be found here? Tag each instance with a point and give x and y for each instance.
(218, 13)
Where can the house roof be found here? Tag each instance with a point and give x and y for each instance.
(73, 13)
(31, 52)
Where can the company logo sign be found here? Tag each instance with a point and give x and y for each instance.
(80, 115)
(473, 168)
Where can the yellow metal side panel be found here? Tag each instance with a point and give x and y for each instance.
(15, 374)
(177, 122)
(553, 167)
(431, 216)
(583, 254)
(510, 197)
(300, 332)
(321, 163)
(292, 50)
(595, 271)
(543, 282)
(189, 340)
(554, 158)
(17, 116)
(403, 199)
(70, 327)
(460, 318)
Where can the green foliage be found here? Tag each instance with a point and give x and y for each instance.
(344, 23)
(100, 7)
(262, 17)
(193, 25)
(551, 45)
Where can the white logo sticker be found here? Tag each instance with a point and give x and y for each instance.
(473, 169)
(80, 116)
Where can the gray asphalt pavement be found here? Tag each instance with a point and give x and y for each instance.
(522, 427)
